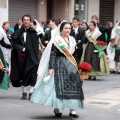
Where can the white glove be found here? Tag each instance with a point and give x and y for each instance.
(46, 78)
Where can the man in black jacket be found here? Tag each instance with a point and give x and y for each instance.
(79, 34)
(18, 25)
(50, 33)
(24, 58)
(104, 36)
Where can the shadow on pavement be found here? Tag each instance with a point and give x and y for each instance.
(49, 118)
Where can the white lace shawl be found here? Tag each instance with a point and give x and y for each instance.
(44, 62)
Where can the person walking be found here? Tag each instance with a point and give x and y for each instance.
(79, 34)
(24, 59)
(59, 84)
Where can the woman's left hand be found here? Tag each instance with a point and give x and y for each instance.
(50, 72)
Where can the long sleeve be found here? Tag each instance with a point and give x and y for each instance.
(52, 57)
(76, 57)
(81, 37)
(40, 36)
(86, 40)
(3, 44)
(17, 40)
(17, 46)
(46, 37)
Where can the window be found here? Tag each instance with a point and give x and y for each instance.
(3, 3)
(81, 9)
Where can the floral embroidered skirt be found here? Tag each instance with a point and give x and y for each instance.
(5, 82)
(4, 79)
(99, 65)
(63, 90)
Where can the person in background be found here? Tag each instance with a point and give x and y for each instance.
(46, 26)
(5, 48)
(109, 26)
(5, 37)
(50, 33)
(34, 24)
(103, 30)
(43, 23)
(110, 49)
(85, 26)
(79, 34)
(4, 77)
(11, 29)
(18, 25)
(92, 57)
(116, 45)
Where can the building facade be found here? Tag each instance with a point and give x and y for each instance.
(3, 11)
(106, 10)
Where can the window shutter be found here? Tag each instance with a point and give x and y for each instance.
(106, 11)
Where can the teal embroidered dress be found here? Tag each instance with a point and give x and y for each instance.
(4, 82)
(64, 88)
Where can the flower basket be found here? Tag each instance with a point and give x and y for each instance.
(100, 46)
(84, 69)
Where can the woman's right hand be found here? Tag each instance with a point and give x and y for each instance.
(50, 72)
(46, 42)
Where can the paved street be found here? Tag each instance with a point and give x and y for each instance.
(102, 102)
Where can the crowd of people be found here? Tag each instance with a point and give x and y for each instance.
(46, 58)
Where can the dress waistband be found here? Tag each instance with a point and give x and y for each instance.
(22, 54)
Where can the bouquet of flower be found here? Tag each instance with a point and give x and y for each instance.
(100, 46)
(84, 69)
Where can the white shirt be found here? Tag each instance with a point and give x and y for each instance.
(76, 30)
(19, 26)
(53, 33)
(24, 35)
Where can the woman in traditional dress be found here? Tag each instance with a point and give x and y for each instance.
(85, 26)
(59, 83)
(34, 24)
(5, 36)
(4, 79)
(92, 57)
(4, 54)
(116, 45)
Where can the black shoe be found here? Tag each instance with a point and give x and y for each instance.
(30, 94)
(112, 72)
(89, 78)
(57, 114)
(73, 115)
(118, 73)
(24, 96)
(94, 78)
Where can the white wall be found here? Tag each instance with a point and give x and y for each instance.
(4, 14)
(71, 10)
(117, 11)
(41, 11)
(93, 8)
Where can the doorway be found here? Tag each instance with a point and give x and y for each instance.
(49, 8)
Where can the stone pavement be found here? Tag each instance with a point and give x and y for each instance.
(102, 102)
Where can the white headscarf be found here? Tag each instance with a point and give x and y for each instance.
(113, 33)
(94, 35)
(6, 52)
(44, 62)
(39, 29)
